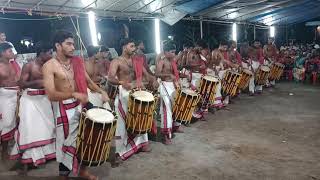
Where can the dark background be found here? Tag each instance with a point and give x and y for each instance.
(112, 31)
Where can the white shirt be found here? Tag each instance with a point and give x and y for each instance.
(13, 49)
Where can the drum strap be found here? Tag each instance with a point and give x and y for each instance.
(165, 89)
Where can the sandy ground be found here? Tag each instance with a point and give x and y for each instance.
(273, 136)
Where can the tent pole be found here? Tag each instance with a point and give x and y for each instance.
(201, 30)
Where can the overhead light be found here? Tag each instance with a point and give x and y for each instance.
(99, 36)
(93, 29)
(272, 31)
(232, 15)
(234, 31)
(157, 35)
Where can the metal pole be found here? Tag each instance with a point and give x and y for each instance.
(254, 32)
(201, 30)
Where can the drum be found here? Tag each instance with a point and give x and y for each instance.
(230, 83)
(262, 75)
(246, 75)
(141, 108)
(276, 71)
(96, 129)
(208, 85)
(184, 104)
(111, 89)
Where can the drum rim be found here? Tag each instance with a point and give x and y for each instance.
(195, 92)
(136, 90)
(110, 111)
(216, 78)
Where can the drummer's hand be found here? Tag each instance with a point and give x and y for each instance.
(127, 86)
(83, 98)
(155, 85)
(105, 97)
(177, 84)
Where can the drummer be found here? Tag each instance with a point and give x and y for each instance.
(247, 63)
(256, 55)
(8, 97)
(271, 53)
(127, 73)
(220, 62)
(168, 72)
(96, 68)
(36, 141)
(66, 82)
(234, 55)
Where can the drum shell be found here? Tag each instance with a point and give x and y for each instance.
(208, 88)
(230, 83)
(262, 76)
(184, 106)
(245, 79)
(139, 122)
(96, 152)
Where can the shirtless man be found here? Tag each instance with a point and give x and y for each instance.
(123, 73)
(234, 55)
(66, 82)
(220, 64)
(36, 141)
(168, 72)
(97, 69)
(256, 55)
(8, 97)
(140, 52)
(271, 53)
(196, 65)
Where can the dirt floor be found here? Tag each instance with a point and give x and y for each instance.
(274, 136)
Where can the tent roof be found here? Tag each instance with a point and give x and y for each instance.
(268, 12)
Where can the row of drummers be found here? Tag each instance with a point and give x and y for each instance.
(134, 109)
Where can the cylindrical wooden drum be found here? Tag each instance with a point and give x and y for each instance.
(208, 85)
(276, 71)
(96, 130)
(141, 107)
(262, 75)
(230, 83)
(185, 102)
(246, 75)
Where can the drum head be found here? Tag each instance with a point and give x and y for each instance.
(265, 68)
(99, 115)
(144, 96)
(211, 78)
(247, 71)
(189, 92)
(279, 64)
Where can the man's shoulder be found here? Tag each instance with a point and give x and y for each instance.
(50, 63)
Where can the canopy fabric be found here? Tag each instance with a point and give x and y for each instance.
(267, 12)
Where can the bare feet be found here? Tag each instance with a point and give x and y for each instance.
(166, 140)
(179, 130)
(84, 173)
(146, 148)
(116, 161)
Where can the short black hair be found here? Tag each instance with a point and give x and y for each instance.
(187, 45)
(202, 43)
(125, 41)
(92, 50)
(42, 47)
(4, 46)
(103, 49)
(1, 32)
(224, 43)
(138, 42)
(60, 37)
(169, 45)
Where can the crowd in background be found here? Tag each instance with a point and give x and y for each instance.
(302, 62)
